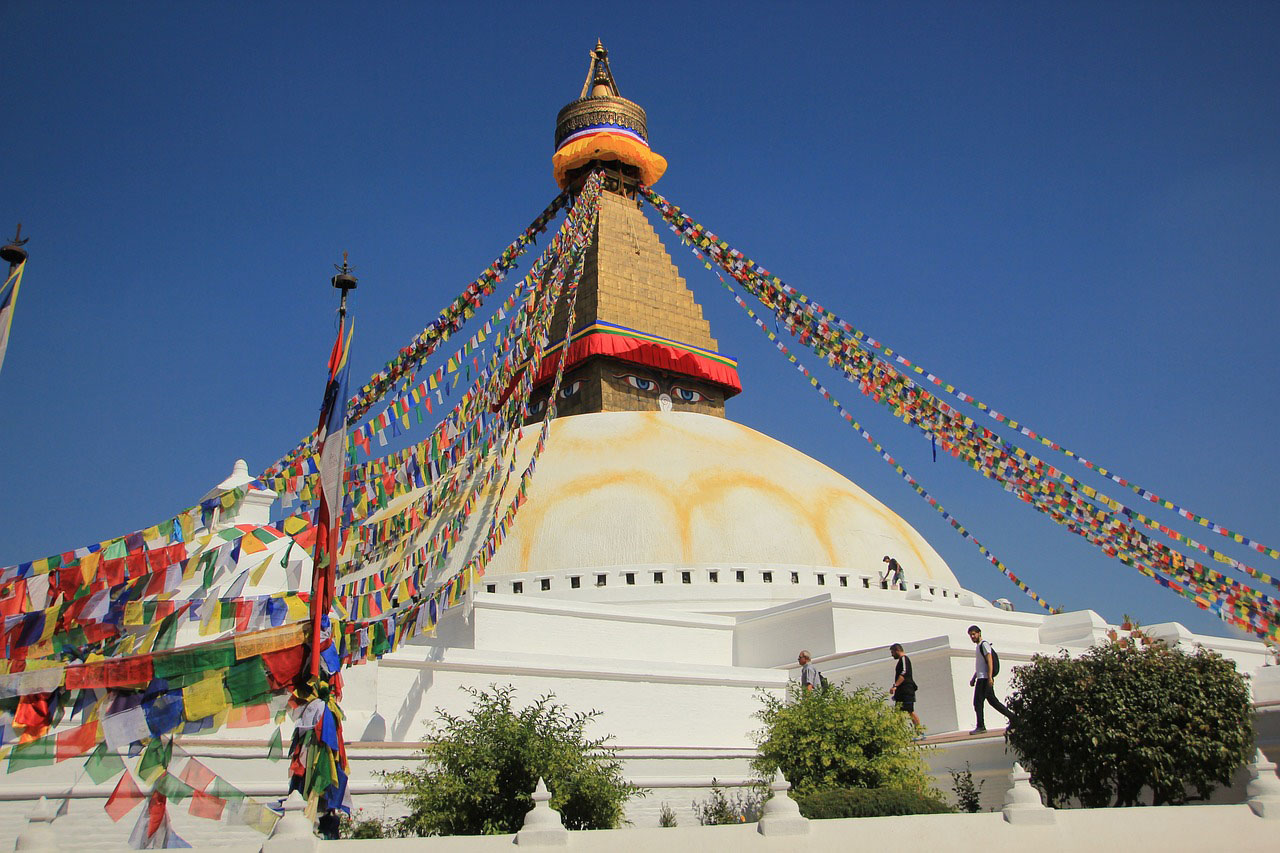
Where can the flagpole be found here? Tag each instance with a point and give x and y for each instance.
(13, 252)
(16, 256)
(324, 564)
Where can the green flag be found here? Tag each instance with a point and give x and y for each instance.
(197, 660)
(247, 681)
(223, 790)
(173, 787)
(103, 764)
(36, 753)
(320, 773)
(275, 749)
(154, 758)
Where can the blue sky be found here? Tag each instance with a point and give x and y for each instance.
(1068, 210)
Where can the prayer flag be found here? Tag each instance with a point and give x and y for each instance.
(103, 764)
(196, 775)
(206, 805)
(125, 796)
(275, 749)
(77, 741)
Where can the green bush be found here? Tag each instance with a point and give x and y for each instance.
(833, 738)
(1100, 727)
(869, 802)
(357, 826)
(479, 771)
(742, 806)
(968, 795)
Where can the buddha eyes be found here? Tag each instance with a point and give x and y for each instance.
(687, 395)
(570, 389)
(640, 383)
(537, 407)
(678, 393)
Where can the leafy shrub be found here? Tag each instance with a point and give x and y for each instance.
(1099, 727)
(742, 806)
(835, 738)
(479, 771)
(358, 826)
(869, 802)
(968, 795)
(666, 816)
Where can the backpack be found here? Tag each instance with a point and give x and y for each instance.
(995, 662)
(822, 681)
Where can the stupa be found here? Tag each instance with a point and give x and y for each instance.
(667, 566)
(670, 562)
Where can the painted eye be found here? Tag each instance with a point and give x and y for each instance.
(640, 383)
(687, 395)
(538, 406)
(569, 390)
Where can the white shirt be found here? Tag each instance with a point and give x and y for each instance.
(981, 652)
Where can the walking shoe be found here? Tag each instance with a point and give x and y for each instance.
(979, 730)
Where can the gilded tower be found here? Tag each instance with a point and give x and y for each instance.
(640, 342)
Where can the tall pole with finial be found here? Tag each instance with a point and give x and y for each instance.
(16, 256)
(344, 281)
(331, 448)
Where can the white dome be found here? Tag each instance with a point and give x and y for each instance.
(678, 488)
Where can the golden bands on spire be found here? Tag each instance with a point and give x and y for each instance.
(603, 127)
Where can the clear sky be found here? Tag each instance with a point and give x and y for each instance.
(1070, 210)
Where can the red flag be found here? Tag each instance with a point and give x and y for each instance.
(196, 775)
(283, 666)
(248, 717)
(33, 716)
(206, 805)
(125, 796)
(77, 741)
(155, 812)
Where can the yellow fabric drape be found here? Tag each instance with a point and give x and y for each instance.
(607, 146)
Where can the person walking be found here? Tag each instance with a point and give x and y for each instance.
(903, 690)
(983, 675)
(809, 678)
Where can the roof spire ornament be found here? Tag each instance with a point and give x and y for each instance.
(599, 80)
(12, 253)
(602, 129)
(344, 281)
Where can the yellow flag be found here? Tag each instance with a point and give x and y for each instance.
(256, 573)
(89, 565)
(205, 697)
(133, 613)
(294, 524)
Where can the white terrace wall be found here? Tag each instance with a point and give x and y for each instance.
(1168, 829)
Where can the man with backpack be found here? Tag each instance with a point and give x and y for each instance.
(986, 669)
(809, 677)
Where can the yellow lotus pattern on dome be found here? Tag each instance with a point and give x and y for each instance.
(680, 488)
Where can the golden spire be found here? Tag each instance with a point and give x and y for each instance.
(600, 126)
(599, 82)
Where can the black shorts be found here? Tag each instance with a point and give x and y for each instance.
(904, 705)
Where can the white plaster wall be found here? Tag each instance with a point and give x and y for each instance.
(632, 633)
(1169, 829)
(775, 636)
(642, 704)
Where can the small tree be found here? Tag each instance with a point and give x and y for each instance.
(479, 771)
(832, 738)
(968, 795)
(1100, 727)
